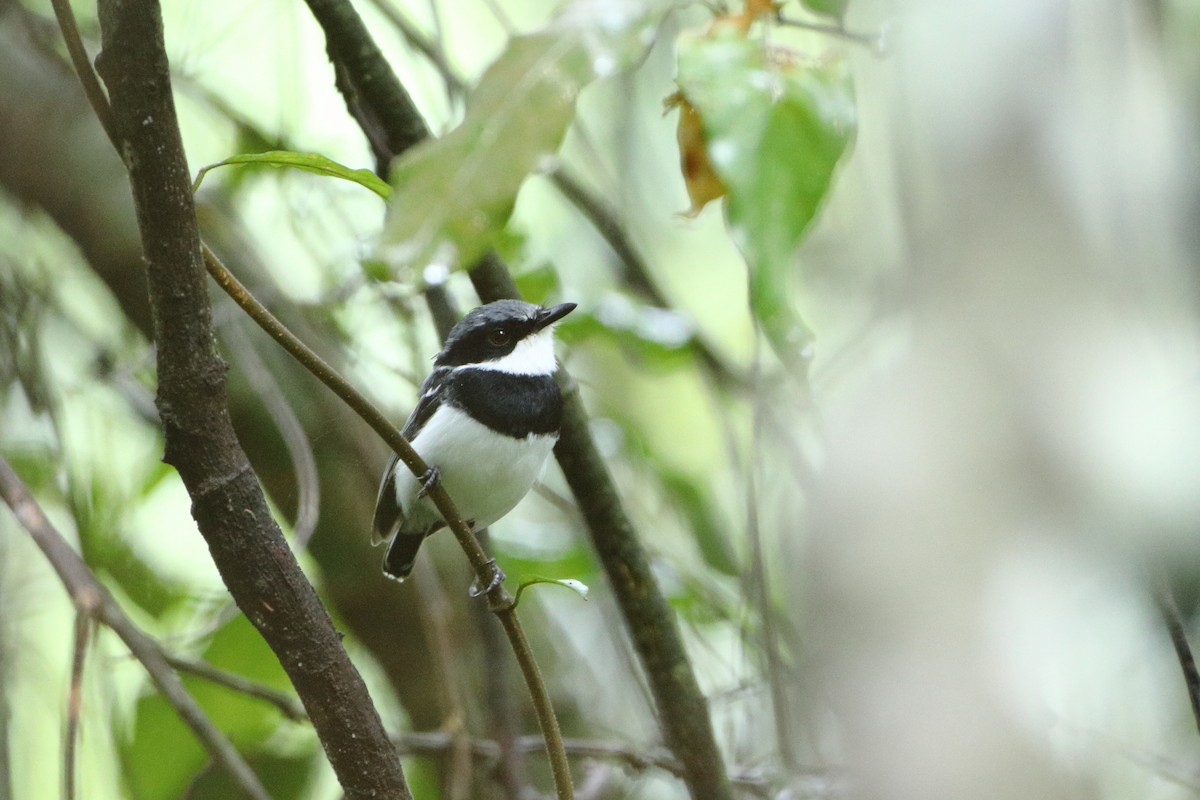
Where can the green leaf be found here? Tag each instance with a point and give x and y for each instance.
(239, 648)
(776, 128)
(306, 162)
(578, 587)
(162, 756)
(455, 194)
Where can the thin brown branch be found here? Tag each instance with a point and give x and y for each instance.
(682, 707)
(83, 66)
(504, 723)
(427, 47)
(89, 593)
(874, 41)
(637, 274)
(1169, 610)
(436, 610)
(83, 628)
(758, 586)
(637, 758)
(295, 438)
(287, 704)
(499, 599)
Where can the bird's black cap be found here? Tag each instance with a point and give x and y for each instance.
(492, 331)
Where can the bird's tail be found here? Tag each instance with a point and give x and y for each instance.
(402, 554)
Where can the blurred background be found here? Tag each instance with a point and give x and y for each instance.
(919, 560)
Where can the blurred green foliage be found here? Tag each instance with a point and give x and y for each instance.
(661, 357)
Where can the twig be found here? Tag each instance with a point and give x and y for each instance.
(202, 669)
(1165, 598)
(503, 713)
(83, 67)
(681, 705)
(89, 593)
(636, 757)
(874, 41)
(499, 599)
(427, 47)
(295, 438)
(637, 273)
(83, 626)
(436, 610)
(758, 583)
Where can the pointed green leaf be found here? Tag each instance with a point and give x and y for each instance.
(776, 128)
(306, 162)
(455, 194)
(578, 587)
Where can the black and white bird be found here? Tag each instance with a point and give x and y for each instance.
(486, 420)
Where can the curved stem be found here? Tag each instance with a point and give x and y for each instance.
(499, 599)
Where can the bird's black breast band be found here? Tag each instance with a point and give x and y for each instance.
(514, 405)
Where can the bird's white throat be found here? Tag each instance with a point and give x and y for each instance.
(533, 355)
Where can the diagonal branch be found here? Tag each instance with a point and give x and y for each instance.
(682, 707)
(246, 544)
(92, 599)
(1169, 609)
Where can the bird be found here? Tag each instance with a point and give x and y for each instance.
(485, 422)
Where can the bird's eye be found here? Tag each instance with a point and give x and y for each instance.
(499, 337)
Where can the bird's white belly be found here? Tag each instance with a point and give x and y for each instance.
(486, 474)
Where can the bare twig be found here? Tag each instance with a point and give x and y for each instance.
(637, 758)
(499, 599)
(295, 438)
(83, 66)
(436, 611)
(429, 48)
(758, 584)
(637, 272)
(503, 712)
(287, 704)
(83, 627)
(1165, 598)
(89, 593)
(874, 41)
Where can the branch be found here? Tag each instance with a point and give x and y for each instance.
(499, 599)
(874, 41)
(682, 708)
(83, 625)
(1169, 609)
(246, 544)
(636, 758)
(295, 438)
(202, 669)
(91, 598)
(637, 273)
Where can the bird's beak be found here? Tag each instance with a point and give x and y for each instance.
(548, 316)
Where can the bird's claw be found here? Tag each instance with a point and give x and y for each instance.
(429, 480)
(496, 579)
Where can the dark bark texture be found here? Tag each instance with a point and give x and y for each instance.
(230, 510)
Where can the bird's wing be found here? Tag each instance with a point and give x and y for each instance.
(388, 513)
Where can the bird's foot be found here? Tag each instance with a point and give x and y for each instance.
(429, 480)
(496, 579)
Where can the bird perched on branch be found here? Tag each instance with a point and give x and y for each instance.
(486, 420)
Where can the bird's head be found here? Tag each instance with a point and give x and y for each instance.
(507, 335)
